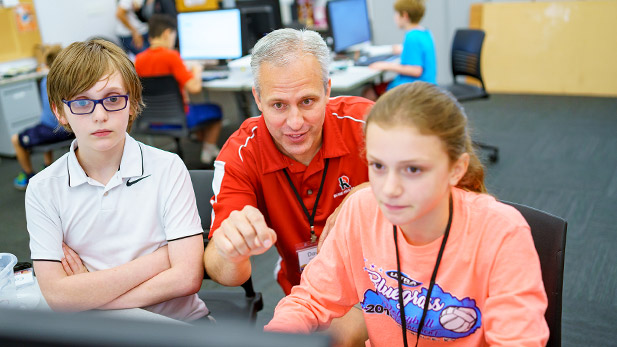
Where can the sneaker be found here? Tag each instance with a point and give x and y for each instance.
(209, 153)
(21, 181)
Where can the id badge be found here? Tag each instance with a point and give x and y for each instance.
(306, 252)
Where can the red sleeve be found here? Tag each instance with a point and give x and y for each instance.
(233, 184)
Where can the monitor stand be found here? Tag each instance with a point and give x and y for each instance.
(215, 65)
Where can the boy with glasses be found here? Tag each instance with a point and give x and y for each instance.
(113, 223)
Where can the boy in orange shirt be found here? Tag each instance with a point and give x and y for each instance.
(465, 263)
(161, 59)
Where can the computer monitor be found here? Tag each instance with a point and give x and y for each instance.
(210, 34)
(47, 328)
(259, 17)
(348, 22)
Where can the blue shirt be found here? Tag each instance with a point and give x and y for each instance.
(418, 50)
(47, 117)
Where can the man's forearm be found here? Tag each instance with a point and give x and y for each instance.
(223, 271)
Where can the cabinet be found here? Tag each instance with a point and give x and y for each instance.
(20, 108)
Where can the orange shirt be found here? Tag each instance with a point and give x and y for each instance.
(161, 61)
(249, 171)
(488, 290)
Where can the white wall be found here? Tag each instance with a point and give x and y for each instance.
(67, 21)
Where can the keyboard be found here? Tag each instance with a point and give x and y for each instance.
(211, 75)
(366, 61)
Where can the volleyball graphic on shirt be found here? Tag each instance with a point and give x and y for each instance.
(458, 319)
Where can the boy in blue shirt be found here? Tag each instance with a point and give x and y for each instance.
(47, 131)
(418, 62)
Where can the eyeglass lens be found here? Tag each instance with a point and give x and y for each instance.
(110, 103)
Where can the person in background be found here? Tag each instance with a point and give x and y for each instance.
(132, 32)
(113, 224)
(161, 59)
(46, 132)
(417, 61)
(280, 178)
(425, 237)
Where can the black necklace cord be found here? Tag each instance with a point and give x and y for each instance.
(400, 289)
(430, 287)
(310, 217)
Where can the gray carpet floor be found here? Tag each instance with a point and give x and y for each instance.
(557, 154)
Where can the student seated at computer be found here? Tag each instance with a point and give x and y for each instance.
(425, 244)
(417, 62)
(113, 224)
(161, 59)
(46, 132)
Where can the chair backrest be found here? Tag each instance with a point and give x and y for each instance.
(202, 184)
(549, 237)
(466, 54)
(164, 111)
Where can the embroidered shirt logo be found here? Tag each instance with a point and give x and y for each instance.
(343, 183)
(130, 183)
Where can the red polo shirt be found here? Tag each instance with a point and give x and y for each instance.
(249, 171)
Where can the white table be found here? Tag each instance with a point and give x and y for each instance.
(30, 298)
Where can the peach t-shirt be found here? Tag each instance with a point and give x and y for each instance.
(488, 290)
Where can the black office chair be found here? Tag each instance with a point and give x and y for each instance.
(224, 304)
(164, 112)
(465, 60)
(549, 237)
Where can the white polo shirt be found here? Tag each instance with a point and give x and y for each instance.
(148, 202)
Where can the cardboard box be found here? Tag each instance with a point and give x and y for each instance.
(196, 5)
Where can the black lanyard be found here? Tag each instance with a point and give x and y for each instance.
(430, 287)
(311, 217)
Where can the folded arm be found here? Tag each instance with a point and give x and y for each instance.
(182, 278)
(90, 290)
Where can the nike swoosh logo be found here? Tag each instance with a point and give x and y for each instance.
(130, 183)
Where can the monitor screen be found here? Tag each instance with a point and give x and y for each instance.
(47, 328)
(348, 22)
(210, 34)
(259, 17)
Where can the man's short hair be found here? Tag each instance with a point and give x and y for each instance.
(414, 9)
(81, 65)
(158, 23)
(282, 46)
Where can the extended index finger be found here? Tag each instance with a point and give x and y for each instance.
(265, 235)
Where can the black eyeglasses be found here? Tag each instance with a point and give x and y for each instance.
(86, 106)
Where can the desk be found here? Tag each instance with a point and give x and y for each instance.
(29, 297)
(233, 94)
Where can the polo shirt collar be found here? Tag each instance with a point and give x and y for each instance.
(131, 164)
(332, 146)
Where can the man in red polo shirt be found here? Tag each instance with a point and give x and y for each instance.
(281, 175)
